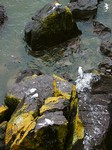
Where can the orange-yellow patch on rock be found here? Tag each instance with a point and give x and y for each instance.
(3, 109)
(19, 126)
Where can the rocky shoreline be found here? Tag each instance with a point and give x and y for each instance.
(48, 112)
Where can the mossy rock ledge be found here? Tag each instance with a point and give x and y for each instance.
(50, 26)
(46, 117)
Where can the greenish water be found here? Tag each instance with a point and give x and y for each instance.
(13, 53)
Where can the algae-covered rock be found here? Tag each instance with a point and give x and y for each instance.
(51, 25)
(42, 119)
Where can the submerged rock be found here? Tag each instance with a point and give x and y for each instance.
(83, 9)
(51, 25)
(101, 30)
(3, 16)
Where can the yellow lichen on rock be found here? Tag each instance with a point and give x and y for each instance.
(78, 129)
(68, 10)
(3, 109)
(19, 126)
(52, 99)
(77, 123)
(59, 78)
(58, 93)
(44, 108)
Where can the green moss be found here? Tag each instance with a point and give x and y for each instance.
(62, 134)
(52, 23)
(68, 11)
(76, 129)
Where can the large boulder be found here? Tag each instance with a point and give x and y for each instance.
(95, 111)
(83, 9)
(51, 25)
(3, 16)
(47, 114)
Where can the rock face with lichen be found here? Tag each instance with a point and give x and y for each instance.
(47, 114)
(51, 113)
(51, 25)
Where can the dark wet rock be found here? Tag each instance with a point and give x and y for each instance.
(2, 135)
(106, 48)
(101, 30)
(3, 16)
(50, 26)
(83, 9)
(105, 67)
(104, 85)
(46, 115)
(95, 115)
(26, 73)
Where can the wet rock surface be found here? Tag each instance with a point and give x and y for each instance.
(102, 31)
(83, 9)
(52, 25)
(106, 67)
(3, 16)
(95, 114)
(106, 48)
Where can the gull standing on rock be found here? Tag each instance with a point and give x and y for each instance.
(80, 72)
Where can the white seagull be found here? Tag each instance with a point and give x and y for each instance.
(106, 6)
(80, 72)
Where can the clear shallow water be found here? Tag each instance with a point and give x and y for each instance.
(13, 53)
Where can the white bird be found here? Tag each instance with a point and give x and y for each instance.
(80, 72)
(106, 6)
